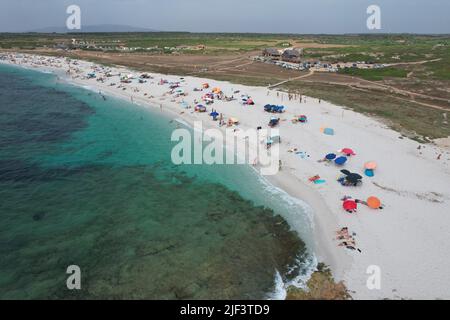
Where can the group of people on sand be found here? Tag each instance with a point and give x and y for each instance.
(346, 239)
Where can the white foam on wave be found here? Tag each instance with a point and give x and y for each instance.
(295, 211)
(299, 215)
(308, 264)
(279, 292)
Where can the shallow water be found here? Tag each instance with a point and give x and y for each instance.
(89, 182)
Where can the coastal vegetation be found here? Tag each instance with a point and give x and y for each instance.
(321, 286)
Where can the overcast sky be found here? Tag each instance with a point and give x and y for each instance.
(269, 16)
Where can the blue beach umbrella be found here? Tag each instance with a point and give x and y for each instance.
(369, 172)
(214, 114)
(328, 131)
(330, 156)
(340, 161)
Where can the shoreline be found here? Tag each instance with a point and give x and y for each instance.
(352, 130)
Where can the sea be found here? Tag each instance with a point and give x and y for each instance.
(88, 181)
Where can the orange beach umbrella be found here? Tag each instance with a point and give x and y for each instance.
(373, 202)
(370, 165)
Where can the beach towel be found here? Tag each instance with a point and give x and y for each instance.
(302, 154)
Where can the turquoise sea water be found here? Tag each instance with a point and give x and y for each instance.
(89, 182)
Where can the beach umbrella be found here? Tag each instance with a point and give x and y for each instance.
(348, 152)
(370, 165)
(373, 202)
(330, 156)
(302, 118)
(214, 114)
(200, 108)
(369, 172)
(350, 205)
(327, 131)
(340, 161)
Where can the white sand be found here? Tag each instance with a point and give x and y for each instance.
(409, 239)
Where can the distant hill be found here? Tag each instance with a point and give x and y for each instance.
(94, 28)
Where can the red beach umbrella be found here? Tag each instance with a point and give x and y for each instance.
(350, 205)
(348, 152)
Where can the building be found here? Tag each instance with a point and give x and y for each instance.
(291, 55)
(271, 52)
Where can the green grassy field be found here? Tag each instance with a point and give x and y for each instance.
(375, 74)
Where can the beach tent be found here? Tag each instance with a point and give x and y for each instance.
(369, 172)
(273, 108)
(340, 160)
(373, 202)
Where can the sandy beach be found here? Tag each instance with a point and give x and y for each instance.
(408, 239)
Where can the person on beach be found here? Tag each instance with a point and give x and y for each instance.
(160, 106)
